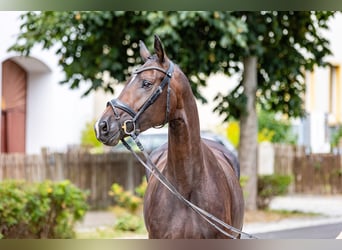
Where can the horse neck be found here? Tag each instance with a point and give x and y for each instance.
(185, 160)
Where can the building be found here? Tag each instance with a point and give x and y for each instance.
(323, 99)
(36, 111)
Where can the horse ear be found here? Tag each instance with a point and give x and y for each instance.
(144, 53)
(158, 49)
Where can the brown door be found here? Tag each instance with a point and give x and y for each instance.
(13, 108)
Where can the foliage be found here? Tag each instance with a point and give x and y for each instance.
(129, 220)
(336, 137)
(265, 135)
(243, 180)
(93, 45)
(286, 43)
(40, 210)
(270, 128)
(141, 189)
(88, 138)
(274, 129)
(270, 186)
(125, 199)
(233, 133)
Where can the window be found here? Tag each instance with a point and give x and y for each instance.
(335, 94)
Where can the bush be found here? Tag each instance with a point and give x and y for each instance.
(40, 210)
(130, 220)
(335, 138)
(270, 186)
(274, 129)
(126, 199)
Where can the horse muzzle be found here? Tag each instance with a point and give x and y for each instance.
(107, 132)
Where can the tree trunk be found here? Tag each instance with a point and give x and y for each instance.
(249, 134)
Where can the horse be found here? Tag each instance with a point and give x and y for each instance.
(203, 171)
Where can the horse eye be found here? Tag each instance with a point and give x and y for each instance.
(146, 84)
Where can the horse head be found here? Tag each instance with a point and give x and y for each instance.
(146, 100)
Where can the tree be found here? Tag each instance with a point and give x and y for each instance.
(94, 46)
(281, 47)
(270, 49)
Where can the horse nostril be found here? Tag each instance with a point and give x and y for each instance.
(103, 126)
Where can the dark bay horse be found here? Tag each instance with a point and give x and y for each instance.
(203, 171)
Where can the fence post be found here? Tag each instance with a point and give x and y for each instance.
(45, 169)
(59, 167)
(130, 173)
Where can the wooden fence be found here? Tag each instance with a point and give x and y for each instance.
(93, 172)
(318, 174)
(284, 155)
(313, 173)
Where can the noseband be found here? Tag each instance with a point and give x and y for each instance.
(129, 126)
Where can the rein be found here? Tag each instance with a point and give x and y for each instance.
(129, 127)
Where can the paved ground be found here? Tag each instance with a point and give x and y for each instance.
(96, 219)
(326, 231)
(329, 208)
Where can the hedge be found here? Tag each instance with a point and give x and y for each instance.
(40, 210)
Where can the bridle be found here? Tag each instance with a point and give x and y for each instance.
(129, 126)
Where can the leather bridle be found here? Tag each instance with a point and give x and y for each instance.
(129, 125)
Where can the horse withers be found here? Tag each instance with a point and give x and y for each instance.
(203, 171)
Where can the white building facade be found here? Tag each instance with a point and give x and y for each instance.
(53, 116)
(323, 99)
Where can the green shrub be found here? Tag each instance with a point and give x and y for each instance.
(130, 222)
(125, 199)
(141, 189)
(270, 186)
(40, 210)
(274, 129)
(336, 136)
(131, 203)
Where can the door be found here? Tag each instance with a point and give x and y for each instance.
(13, 108)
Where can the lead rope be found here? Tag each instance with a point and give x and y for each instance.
(151, 167)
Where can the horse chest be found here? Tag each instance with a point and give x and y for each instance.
(174, 223)
(168, 217)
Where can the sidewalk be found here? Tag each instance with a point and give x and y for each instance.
(96, 220)
(329, 208)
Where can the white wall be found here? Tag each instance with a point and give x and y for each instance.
(217, 83)
(55, 114)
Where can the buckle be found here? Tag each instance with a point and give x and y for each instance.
(128, 127)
